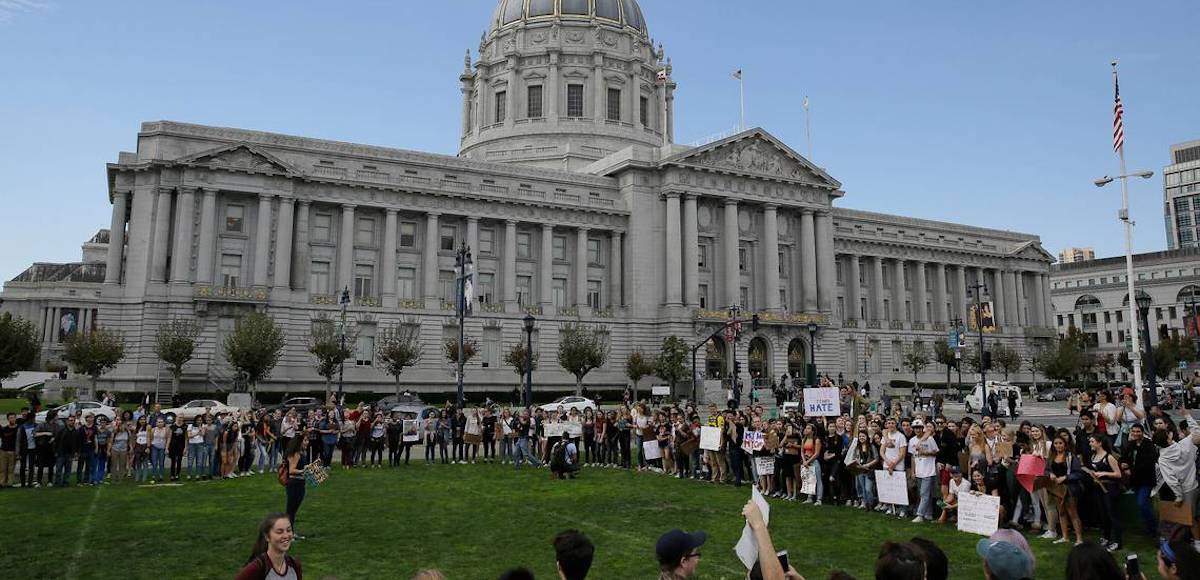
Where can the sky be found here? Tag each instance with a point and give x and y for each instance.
(993, 114)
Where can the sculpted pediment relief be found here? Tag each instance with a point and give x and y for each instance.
(755, 153)
(241, 157)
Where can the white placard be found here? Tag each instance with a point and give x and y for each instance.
(765, 465)
(553, 429)
(753, 441)
(572, 429)
(473, 427)
(791, 406)
(651, 450)
(411, 430)
(822, 402)
(661, 390)
(747, 547)
(978, 513)
(808, 480)
(710, 438)
(892, 488)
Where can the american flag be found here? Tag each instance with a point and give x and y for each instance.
(1118, 114)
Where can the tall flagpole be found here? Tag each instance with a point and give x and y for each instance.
(807, 129)
(1134, 339)
(741, 102)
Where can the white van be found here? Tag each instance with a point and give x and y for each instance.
(975, 401)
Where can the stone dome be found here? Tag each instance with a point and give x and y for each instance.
(614, 12)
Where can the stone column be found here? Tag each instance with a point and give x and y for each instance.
(550, 93)
(853, 288)
(898, 290)
(162, 232)
(826, 282)
(1000, 306)
(510, 265)
(345, 265)
(673, 243)
(48, 324)
(1037, 310)
(262, 240)
(546, 268)
(54, 327)
(632, 92)
(1019, 301)
(691, 253)
(116, 237)
(181, 251)
(581, 266)
(808, 261)
(615, 296)
(939, 293)
(388, 262)
(139, 238)
(208, 237)
(599, 104)
(510, 106)
(919, 292)
(1047, 304)
(85, 318)
(730, 241)
(877, 287)
(283, 243)
(960, 302)
(300, 256)
(429, 262)
(771, 251)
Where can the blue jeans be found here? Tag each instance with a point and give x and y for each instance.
(820, 489)
(141, 466)
(99, 467)
(521, 450)
(195, 463)
(87, 460)
(926, 485)
(864, 483)
(273, 454)
(1146, 507)
(262, 455)
(62, 469)
(158, 458)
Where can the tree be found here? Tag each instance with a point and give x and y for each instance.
(915, 359)
(1061, 360)
(18, 345)
(581, 348)
(397, 348)
(329, 349)
(94, 353)
(944, 355)
(175, 345)
(255, 347)
(1033, 361)
(450, 349)
(971, 360)
(1006, 359)
(638, 365)
(670, 364)
(516, 357)
(1105, 363)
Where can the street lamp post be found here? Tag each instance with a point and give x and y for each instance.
(733, 375)
(1123, 215)
(812, 354)
(1143, 305)
(957, 322)
(344, 300)
(462, 263)
(529, 322)
(976, 289)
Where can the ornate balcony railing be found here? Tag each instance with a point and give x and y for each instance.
(322, 299)
(371, 301)
(896, 325)
(411, 303)
(448, 305)
(918, 326)
(534, 310)
(569, 311)
(603, 313)
(874, 324)
(222, 293)
(492, 308)
(764, 317)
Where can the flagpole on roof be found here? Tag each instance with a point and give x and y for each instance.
(807, 129)
(737, 74)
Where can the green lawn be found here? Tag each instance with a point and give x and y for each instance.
(470, 521)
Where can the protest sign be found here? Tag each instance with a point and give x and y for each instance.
(978, 513)
(651, 450)
(1030, 468)
(765, 465)
(710, 438)
(411, 430)
(572, 429)
(753, 441)
(821, 402)
(808, 480)
(747, 547)
(1169, 512)
(661, 390)
(554, 429)
(893, 488)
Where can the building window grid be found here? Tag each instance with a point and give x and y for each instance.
(408, 234)
(614, 104)
(319, 277)
(501, 105)
(406, 286)
(234, 218)
(574, 100)
(447, 236)
(558, 248)
(487, 241)
(364, 280)
(523, 245)
(364, 234)
(534, 101)
(524, 296)
(595, 256)
(321, 228)
(594, 298)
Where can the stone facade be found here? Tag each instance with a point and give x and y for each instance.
(594, 220)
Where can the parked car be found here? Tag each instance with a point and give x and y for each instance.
(409, 405)
(87, 407)
(193, 409)
(300, 404)
(974, 401)
(570, 402)
(1054, 394)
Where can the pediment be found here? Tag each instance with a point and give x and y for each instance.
(755, 153)
(241, 156)
(1031, 250)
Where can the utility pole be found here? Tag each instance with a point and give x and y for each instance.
(976, 289)
(345, 301)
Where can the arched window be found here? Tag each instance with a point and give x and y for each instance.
(797, 357)
(1140, 294)
(760, 359)
(1188, 294)
(1087, 302)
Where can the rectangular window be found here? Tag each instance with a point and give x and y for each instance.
(523, 245)
(487, 241)
(614, 104)
(364, 352)
(447, 284)
(841, 278)
(364, 280)
(1120, 316)
(490, 355)
(702, 256)
(231, 270)
(558, 292)
(907, 280)
(783, 303)
(501, 105)
(1171, 312)
(593, 251)
(841, 308)
(487, 288)
(534, 101)
(407, 287)
(887, 309)
(524, 295)
(644, 111)
(558, 247)
(743, 264)
(703, 296)
(745, 298)
(321, 227)
(907, 310)
(1108, 336)
(1060, 320)
(447, 238)
(574, 100)
(593, 294)
(408, 234)
(234, 216)
(318, 277)
(365, 235)
(887, 276)
(783, 262)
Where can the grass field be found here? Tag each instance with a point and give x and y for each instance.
(470, 521)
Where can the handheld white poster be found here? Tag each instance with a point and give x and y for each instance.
(651, 450)
(747, 547)
(710, 438)
(808, 480)
(411, 433)
(892, 488)
(554, 429)
(753, 441)
(765, 465)
(978, 513)
(822, 402)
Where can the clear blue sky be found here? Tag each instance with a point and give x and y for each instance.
(996, 114)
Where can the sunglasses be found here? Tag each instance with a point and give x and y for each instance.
(692, 555)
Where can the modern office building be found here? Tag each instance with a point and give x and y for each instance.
(1071, 255)
(577, 205)
(1181, 196)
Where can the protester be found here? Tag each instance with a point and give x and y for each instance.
(1091, 561)
(678, 554)
(1178, 560)
(573, 553)
(269, 558)
(294, 485)
(1003, 560)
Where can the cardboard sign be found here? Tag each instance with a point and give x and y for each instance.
(411, 430)
(753, 441)
(661, 390)
(893, 488)
(710, 438)
(1169, 512)
(808, 480)
(822, 402)
(765, 465)
(651, 450)
(553, 429)
(1030, 468)
(978, 513)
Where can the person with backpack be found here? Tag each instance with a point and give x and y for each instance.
(269, 558)
(291, 477)
(564, 458)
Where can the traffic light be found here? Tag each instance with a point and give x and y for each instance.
(987, 360)
(754, 323)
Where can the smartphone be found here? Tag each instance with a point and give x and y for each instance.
(1131, 567)
(783, 560)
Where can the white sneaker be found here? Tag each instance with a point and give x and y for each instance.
(1060, 541)
(817, 503)
(918, 520)
(1049, 535)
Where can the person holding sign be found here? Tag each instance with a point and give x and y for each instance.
(893, 447)
(1064, 486)
(1106, 473)
(924, 451)
(863, 458)
(810, 467)
(1177, 465)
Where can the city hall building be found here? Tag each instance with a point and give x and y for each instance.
(577, 205)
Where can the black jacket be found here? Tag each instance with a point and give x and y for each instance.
(1142, 458)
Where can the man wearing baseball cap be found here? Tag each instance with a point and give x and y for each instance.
(1003, 561)
(678, 554)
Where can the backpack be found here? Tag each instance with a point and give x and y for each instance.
(558, 456)
(282, 473)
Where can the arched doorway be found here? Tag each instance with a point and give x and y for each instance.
(759, 355)
(714, 359)
(797, 357)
